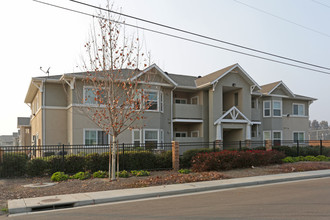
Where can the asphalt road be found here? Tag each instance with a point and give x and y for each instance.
(308, 199)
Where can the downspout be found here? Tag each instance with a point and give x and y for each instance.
(172, 112)
(43, 114)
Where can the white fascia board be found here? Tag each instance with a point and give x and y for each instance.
(287, 88)
(188, 120)
(245, 73)
(159, 70)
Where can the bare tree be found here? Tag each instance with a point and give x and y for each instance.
(115, 97)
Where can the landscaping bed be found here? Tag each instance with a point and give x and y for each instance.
(14, 188)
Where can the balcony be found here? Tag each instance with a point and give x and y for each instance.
(188, 111)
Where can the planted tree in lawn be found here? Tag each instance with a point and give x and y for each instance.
(115, 98)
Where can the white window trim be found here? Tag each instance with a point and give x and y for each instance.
(158, 134)
(304, 113)
(180, 99)
(84, 99)
(140, 131)
(94, 129)
(277, 132)
(193, 98)
(270, 135)
(195, 132)
(158, 100)
(183, 132)
(277, 116)
(161, 101)
(299, 132)
(270, 109)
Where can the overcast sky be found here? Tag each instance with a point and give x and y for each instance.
(34, 35)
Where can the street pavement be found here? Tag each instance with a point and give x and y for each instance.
(303, 200)
(31, 205)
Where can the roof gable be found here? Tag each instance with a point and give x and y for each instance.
(213, 78)
(158, 71)
(276, 88)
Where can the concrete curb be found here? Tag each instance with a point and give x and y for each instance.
(82, 199)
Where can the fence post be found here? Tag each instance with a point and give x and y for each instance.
(175, 156)
(297, 148)
(1, 155)
(268, 144)
(63, 157)
(123, 155)
(213, 146)
(321, 148)
(240, 146)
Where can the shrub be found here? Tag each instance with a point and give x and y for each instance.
(185, 160)
(138, 160)
(74, 164)
(162, 160)
(81, 175)
(95, 162)
(100, 174)
(184, 171)
(123, 174)
(14, 164)
(55, 164)
(140, 173)
(225, 160)
(36, 167)
(59, 176)
(288, 160)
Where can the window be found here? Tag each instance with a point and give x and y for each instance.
(277, 137)
(95, 137)
(267, 135)
(266, 108)
(277, 108)
(298, 136)
(154, 97)
(136, 134)
(180, 101)
(181, 134)
(299, 109)
(194, 100)
(236, 98)
(93, 97)
(150, 138)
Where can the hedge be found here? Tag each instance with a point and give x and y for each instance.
(226, 160)
(20, 165)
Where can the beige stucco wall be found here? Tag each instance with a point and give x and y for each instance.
(56, 126)
(36, 126)
(55, 95)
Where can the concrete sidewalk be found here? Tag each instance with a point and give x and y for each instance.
(80, 199)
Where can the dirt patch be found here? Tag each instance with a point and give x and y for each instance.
(14, 188)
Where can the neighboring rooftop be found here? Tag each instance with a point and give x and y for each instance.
(23, 121)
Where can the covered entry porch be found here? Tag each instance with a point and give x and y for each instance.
(231, 128)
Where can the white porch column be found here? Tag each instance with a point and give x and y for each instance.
(248, 131)
(219, 132)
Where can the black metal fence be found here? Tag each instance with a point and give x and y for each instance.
(14, 159)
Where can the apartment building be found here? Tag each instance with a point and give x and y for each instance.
(227, 105)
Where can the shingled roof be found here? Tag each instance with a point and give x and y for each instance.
(213, 76)
(265, 89)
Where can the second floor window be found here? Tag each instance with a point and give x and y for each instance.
(277, 108)
(266, 108)
(298, 109)
(93, 97)
(155, 100)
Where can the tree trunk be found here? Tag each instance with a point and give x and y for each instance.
(114, 155)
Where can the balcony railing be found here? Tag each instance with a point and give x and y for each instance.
(188, 111)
